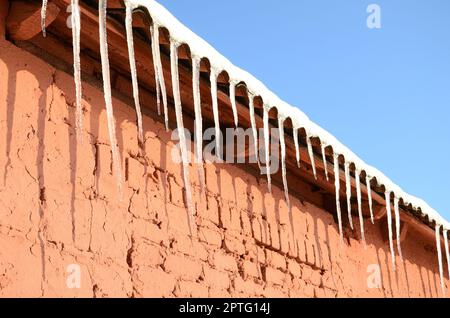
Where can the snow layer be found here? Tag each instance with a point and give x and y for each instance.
(200, 48)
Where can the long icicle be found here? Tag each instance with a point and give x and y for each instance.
(447, 252)
(215, 108)
(155, 46)
(198, 119)
(157, 59)
(389, 222)
(369, 198)
(283, 159)
(439, 252)
(397, 228)
(251, 107)
(134, 79)
(337, 186)
(158, 96)
(102, 4)
(358, 195)
(43, 17)
(233, 103)
(76, 28)
(311, 155)
(324, 159)
(181, 132)
(348, 190)
(267, 148)
(297, 146)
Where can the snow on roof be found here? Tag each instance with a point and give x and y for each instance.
(180, 34)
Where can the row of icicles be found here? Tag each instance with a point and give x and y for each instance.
(162, 95)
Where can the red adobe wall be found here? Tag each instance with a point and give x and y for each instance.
(58, 206)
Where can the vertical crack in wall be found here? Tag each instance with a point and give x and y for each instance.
(42, 119)
(129, 257)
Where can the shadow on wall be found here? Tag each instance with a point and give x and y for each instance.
(12, 108)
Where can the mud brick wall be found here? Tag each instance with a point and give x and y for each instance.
(59, 206)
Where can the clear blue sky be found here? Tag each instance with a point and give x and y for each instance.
(384, 93)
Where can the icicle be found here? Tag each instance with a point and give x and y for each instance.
(215, 107)
(348, 189)
(358, 195)
(154, 30)
(134, 79)
(107, 92)
(397, 227)
(369, 197)
(389, 222)
(233, 103)
(267, 147)
(337, 185)
(181, 133)
(198, 118)
(447, 252)
(76, 25)
(283, 159)
(158, 96)
(251, 107)
(43, 17)
(311, 155)
(324, 159)
(297, 147)
(155, 70)
(439, 252)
